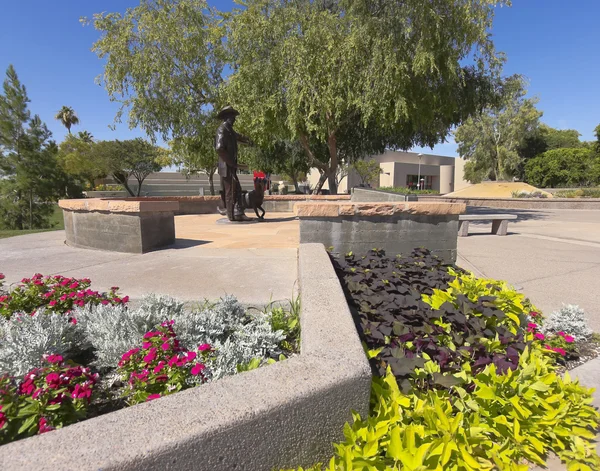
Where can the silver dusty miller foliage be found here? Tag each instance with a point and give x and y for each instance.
(571, 320)
(236, 336)
(24, 339)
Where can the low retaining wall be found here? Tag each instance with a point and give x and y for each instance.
(369, 195)
(208, 204)
(521, 203)
(118, 225)
(282, 415)
(395, 227)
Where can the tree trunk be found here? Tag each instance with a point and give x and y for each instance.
(333, 163)
(320, 183)
(211, 182)
(139, 189)
(122, 179)
(295, 182)
(332, 184)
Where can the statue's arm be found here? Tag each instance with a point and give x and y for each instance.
(243, 139)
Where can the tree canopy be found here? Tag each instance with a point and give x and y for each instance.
(564, 168)
(343, 78)
(327, 71)
(491, 140)
(30, 177)
(67, 116)
(163, 64)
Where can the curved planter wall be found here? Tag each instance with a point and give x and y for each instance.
(283, 415)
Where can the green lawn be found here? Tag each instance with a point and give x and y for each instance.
(56, 221)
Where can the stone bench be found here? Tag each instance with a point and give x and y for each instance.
(499, 222)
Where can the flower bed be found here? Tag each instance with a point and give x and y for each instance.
(468, 372)
(68, 353)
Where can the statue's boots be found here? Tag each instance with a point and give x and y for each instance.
(241, 217)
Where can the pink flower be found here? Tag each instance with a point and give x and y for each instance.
(2, 276)
(37, 393)
(54, 358)
(197, 369)
(3, 298)
(63, 297)
(104, 302)
(191, 356)
(149, 335)
(151, 397)
(43, 426)
(125, 299)
(73, 321)
(146, 345)
(173, 361)
(531, 327)
(165, 346)
(562, 334)
(159, 367)
(2, 417)
(53, 380)
(74, 285)
(52, 303)
(539, 336)
(27, 387)
(204, 347)
(114, 288)
(65, 282)
(151, 355)
(161, 378)
(569, 339)
(117, 300)
(25, 280)
(560, 350)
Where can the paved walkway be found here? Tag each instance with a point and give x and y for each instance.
(255, 262)
(553, 256)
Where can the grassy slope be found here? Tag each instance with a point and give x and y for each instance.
(56, 220)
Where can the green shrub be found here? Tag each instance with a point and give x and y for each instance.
(563, 168)
(508, 419)
(469, 381)
(580, 193)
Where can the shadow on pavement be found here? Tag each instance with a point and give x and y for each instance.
(522, 214)
(290, 218)
(187, 243)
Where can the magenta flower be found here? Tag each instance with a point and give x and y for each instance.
(54, 359)
(204, 347)
(159, 367)
(197, 369)
(52, 303)
(151, 355)
(149, 335)
(151, 397)
(104, 302)
(146, 345)
(165, 346)
(561, 333)
(63, 297)
(539, 336)
(53, 380)
(531, 327)
(114, 288)
(560, 350)
(74, 285)
(569, 339)
(2, 276)
(125, 299)
(191, 356)
(43, 426)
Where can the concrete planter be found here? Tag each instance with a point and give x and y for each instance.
(118, 225)
(282, 415)
(396, 227)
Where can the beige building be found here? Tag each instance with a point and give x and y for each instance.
(406, 169)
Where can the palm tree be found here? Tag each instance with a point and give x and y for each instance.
(85, 136)
(67, 117)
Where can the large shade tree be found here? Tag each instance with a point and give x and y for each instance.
(67, 116)
(396, 74)
(491, 140)
(163, 64)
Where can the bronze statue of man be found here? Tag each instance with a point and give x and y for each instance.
(226, 146)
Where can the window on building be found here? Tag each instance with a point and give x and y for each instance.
(412, 181)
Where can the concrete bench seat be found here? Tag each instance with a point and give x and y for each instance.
(499, 222)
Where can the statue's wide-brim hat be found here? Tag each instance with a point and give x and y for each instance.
(227, 111)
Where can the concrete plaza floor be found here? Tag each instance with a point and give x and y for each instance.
(256, 262)
(552, 256)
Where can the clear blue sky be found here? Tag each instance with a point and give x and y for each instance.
(554, 43)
